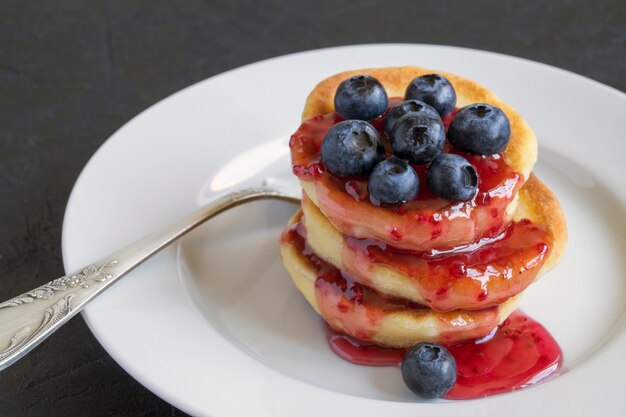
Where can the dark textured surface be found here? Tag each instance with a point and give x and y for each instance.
(72, 72)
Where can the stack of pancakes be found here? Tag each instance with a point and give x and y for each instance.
(369, 271)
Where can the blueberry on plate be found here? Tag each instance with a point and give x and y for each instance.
(452, 177)
(393, 181)
(361, 97)
(418, 137)
(352, 148)
(408, 106)
(433, 89)
(480, 128)
(429, 370)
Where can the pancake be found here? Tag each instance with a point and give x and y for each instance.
(461, 222)
(455, 281)
(365, 315)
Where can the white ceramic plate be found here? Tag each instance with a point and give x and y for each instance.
(214, 325)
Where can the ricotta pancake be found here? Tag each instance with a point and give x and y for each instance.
(471, 277)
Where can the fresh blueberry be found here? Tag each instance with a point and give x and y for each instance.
(418, 137)
(408, 106)
(480, 128)
(452, 177)
(429, 370)
(352, 148)
(393, 181)
(361, 97)
(433, 89)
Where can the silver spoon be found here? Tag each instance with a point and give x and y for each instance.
(28, 319)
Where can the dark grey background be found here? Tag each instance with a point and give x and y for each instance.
(73, 72)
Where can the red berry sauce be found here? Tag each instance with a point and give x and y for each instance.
(520, 353)
(470, 277)
(360, 353)
(461, 255)
(425, 223)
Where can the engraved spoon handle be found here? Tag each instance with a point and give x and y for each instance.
(29, 318)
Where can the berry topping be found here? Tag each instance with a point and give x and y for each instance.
(418, 137)
(352, 148)
(452, 177)
(429, 370)
(408, 106)
(361, 97)
(480, 128)
(393, 181)
(435, 90)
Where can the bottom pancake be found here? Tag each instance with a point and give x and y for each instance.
(364, 314)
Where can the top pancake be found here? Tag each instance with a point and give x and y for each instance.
(521, 152)
(463, 223)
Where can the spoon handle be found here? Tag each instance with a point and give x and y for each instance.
(28, 319)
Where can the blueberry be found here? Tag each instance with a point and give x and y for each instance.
(393, 181)
(408, 106)
(433, 89)
(361, 97)
(429, 370)
(352, 148)
(480, 128)
(452, 177)
(418, 137)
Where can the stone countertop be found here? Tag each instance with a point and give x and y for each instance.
(73, 72)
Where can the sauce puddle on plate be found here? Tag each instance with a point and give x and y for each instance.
(520, 353)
